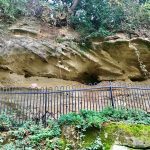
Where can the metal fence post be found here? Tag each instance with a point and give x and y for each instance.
(111, 94)
(45, 121)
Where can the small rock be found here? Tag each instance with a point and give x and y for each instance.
(118, 147)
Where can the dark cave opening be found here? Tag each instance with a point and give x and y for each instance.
(89, 78)
(137, 79)
(27, 74)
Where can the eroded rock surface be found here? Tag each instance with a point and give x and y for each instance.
(121, 136)
(31, 48)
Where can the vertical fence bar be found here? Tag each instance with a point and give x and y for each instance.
(121, 95)
(45, 109)
(90, 99)
(131, 95)
(0, 100)
(81, 100)
(103, 96)
(26, 106)
(39, 105)
(5, 100)
(68, 98)
(93, 99)
(147, 95)
(23, 107)
(37, 102)
(29, 104)
(19, 110)
(51, 102)
(63, 101)
(99, 98)
(118, 103)
(96, 99)
(58, 95)
(142, 99)
(84, 99)
(137, 96)
(9, 100)
(78, 97)
(111, 94)
(32, 103)
(16, 105)
(48, 106)
(43, 105)
(74, 98)
(20, 107)
(108, 97)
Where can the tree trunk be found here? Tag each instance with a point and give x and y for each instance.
(74, 4)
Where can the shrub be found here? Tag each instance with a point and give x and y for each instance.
(31, 135)
(12, 8)
(103, 17)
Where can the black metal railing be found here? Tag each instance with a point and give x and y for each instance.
(43, 103)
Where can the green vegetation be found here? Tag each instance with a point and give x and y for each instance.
(11, 9)
(120, 130)
(103, 17)
(88, 129)
(84, 131)
(92, 18)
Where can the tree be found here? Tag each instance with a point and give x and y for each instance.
(10, 9)
(74, 4)
(90, 17)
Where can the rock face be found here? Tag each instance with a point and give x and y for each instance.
(113, 136)
(121, 136)
(31, 48)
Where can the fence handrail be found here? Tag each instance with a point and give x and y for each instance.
(72, 90)
(37, 103)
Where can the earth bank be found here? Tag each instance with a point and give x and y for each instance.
(31, 50)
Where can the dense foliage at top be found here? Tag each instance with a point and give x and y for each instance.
(90, 17)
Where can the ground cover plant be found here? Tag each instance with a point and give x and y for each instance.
(66, 133)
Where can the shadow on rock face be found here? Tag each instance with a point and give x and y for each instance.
(87, 78)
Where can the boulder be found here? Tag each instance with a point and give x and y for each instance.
(123, 135)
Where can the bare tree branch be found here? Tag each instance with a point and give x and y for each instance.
(74, 4)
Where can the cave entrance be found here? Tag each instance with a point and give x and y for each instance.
(27, 74)
(88, 78)
(137, 79)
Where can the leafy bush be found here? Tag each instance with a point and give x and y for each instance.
(31, 135)
(102, 17)
(128, 115)
(12, 8)
(7, 121)
(83, 120)
(97, 145)
(92, 18)
(70, 119)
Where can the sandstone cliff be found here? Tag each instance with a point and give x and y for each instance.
(30, 49)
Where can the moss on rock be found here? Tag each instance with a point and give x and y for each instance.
(90, 136)
(130, 135)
